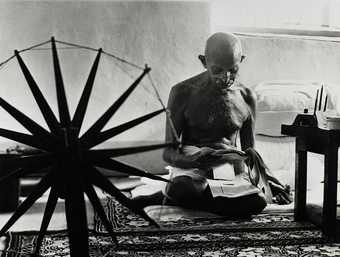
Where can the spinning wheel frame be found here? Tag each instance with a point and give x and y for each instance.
(71, 161)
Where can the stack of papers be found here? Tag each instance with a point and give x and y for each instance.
(231, 188)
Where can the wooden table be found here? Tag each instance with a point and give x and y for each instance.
(321, 141)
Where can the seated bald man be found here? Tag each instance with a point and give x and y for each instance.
(208, 112)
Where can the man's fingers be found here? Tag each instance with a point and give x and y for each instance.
(280, 193)
(274, 180)
(230, 156)
(287, 189)
(282, 198)
(285, 197)
(207, 150)
(199, 152)
(276, 187)
(278, 199)
(209, 158)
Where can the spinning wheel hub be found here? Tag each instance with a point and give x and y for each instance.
(71, 149)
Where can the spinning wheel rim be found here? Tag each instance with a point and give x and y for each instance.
(63, 142)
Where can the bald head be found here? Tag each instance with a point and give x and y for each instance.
(223, 48)
(223, 54)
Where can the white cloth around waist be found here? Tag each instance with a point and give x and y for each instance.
(225, 184)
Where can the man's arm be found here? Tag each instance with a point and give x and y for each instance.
(247, 137)
(176, 106)
(247, 132)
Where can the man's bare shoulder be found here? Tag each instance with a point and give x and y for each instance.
(248, 96)
(190, 85)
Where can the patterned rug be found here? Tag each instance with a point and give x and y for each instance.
(275, 235)
(123, 219)
(56, 244)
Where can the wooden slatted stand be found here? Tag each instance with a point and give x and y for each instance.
(325, 142)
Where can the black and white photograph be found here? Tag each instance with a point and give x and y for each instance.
(151, 128)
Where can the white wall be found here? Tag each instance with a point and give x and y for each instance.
(167, 36)
(276, 13)
(285, 58)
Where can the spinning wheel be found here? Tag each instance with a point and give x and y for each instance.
(69, 159)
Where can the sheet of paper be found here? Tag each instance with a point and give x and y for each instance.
(231, 189)
(224, 171)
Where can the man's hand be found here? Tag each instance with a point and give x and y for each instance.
(230, 155)
(202, 157)
(209, 157)
(206, 157)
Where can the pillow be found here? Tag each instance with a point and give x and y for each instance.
(285, 95)
(278, 102)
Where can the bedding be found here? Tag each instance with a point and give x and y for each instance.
(285, 95)
(278, 102)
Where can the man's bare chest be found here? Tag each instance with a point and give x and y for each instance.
(217, 112)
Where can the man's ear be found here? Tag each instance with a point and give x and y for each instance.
(203, 60)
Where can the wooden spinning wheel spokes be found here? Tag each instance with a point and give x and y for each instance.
(70, 162)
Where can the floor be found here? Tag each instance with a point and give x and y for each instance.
(31, 220)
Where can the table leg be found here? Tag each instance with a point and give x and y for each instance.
(330, 192)
(300, 182)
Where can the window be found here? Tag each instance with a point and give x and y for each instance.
(302, 17)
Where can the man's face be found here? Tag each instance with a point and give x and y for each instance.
(223, 55)
(223, 73)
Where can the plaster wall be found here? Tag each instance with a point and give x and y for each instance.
(289, 58)
(166, 35)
